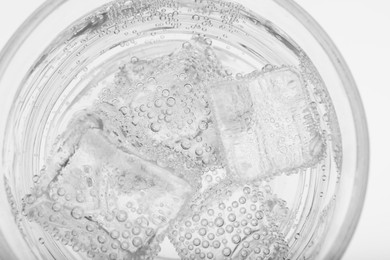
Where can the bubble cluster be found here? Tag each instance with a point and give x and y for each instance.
(164, 111)
(267, 115)
(232, 221)
(107, 203)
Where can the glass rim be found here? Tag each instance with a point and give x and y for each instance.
(322, 38)
(358, 195)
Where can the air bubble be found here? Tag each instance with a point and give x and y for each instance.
(155, 127)
(226, 251)
(137, 241)
(158, 103)
(77, 213)
(165, 93)
(171, 102)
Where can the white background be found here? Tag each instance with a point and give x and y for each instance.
(360, 29)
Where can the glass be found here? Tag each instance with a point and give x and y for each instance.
(23, 56)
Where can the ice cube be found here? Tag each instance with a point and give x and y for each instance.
(232, 221)
(266, 124)
(166, 115)
(108, 203)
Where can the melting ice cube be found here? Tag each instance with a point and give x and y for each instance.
(232, 221)
(108, 203)
(266, 124)
(165, 114)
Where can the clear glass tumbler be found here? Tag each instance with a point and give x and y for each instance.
(65, 47)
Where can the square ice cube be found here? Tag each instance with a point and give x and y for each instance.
(165, 116)
(232, 220)
(266, 124)
(108, 203)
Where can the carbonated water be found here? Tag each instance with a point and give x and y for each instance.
(191, 139)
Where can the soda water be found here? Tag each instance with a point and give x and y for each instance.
(191, 130)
